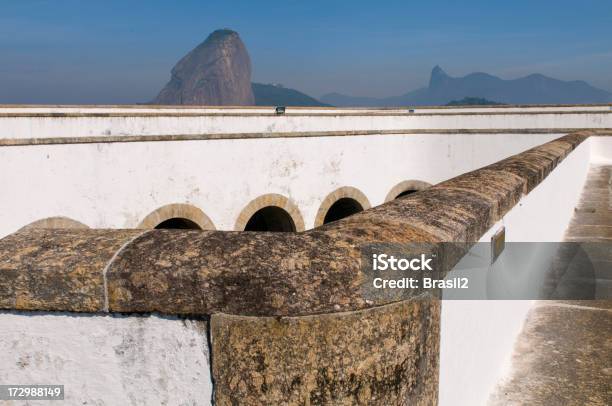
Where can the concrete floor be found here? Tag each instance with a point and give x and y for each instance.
(563, 356)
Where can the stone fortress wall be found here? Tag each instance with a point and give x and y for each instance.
(260, 318)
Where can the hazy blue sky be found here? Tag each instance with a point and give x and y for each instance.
(122, 51)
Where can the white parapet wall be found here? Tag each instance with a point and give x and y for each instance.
(117, 185)
(108, 360)
(28, 123)
(477, 336)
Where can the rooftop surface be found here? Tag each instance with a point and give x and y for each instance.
(564, 353)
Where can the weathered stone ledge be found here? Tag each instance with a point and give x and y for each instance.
(262, 274)
(15, 142)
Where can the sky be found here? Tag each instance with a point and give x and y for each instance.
(100, 52)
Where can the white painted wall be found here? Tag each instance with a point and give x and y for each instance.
(601, 150)
(116, 185)
(219, 123)
(107, 360)
(477, 336)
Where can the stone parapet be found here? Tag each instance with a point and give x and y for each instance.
(264, 274)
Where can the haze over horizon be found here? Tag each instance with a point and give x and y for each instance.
(115, 52)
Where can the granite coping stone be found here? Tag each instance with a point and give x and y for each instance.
(57, 270)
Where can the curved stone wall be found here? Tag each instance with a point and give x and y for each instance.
(383, 356)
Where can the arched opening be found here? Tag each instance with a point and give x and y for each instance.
(270, 218)
(341, 203)
(406, 193)
(177, 216)
(406, 188)
(270, 212)
(342, 208)
(55, 222)
(179, 224)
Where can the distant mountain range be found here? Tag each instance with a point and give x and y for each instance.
(277, 95)
(532, 89)
(218, 72)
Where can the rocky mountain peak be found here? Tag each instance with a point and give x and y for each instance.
(216, 72)
(438, 77)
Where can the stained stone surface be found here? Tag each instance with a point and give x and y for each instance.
(197, 272)
(57, 269)
(535, 164)
(381, 356)
(499, 189)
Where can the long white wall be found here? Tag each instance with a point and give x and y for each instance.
(477, 336)
(116, 185)
(127, 123)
